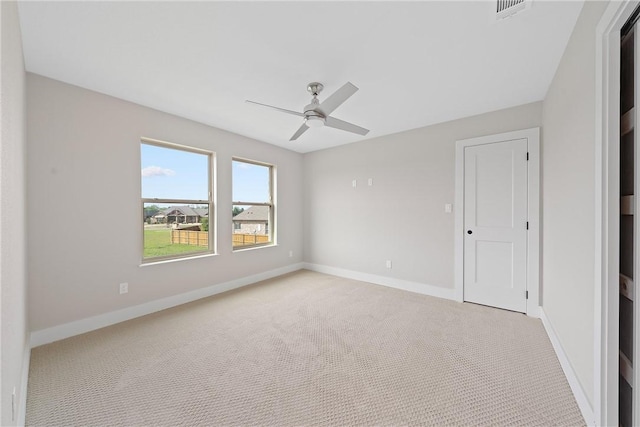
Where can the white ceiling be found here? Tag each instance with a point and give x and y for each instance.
(416, 63)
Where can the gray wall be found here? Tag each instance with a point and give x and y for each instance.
(568, 179)
(13, 281)
(401, 217)
(85, 232)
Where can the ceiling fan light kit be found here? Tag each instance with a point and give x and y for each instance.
(314, 121)
(317, 114)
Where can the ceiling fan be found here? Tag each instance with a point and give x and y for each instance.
(317, 113)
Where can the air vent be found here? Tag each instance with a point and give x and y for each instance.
(508, 8)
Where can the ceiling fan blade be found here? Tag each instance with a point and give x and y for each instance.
(342, 125)
(295, 113)
(337, 98)
(299, 132)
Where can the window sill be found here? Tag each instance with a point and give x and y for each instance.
(252, 248)
(167, 261)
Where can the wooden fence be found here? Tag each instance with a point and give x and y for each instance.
(201, 238)
(249, 239)
(187, 237)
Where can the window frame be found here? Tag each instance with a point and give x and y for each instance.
(210, 202)
(271, 224)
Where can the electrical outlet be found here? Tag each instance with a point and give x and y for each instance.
(370, 182)
(388, 263)
(124, 288)
(290, 254)
(354, 183)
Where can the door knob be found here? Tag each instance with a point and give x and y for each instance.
(469, 232)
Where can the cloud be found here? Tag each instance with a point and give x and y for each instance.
(157, 171)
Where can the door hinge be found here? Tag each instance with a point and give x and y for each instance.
(527, 225)
(526, 294)
(527, 156)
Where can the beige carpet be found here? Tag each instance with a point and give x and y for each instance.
(306, 349)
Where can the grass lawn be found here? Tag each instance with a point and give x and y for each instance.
(158, 243)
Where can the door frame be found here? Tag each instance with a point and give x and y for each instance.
(533, 212)
(607, 211)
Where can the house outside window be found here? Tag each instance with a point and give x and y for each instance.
(177, 200)
(253, 203)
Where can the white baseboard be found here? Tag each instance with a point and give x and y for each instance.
(406, 285)
(56, 333)
(576, 387)
(22, 401)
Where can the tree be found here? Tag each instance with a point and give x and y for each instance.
(204, 224)
(150, 211)
(237, 210)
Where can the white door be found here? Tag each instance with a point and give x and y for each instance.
(495, 224)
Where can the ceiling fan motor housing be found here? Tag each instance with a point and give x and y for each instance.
(313, 118)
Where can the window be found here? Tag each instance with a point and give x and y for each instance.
(253, 204)
(177, 201)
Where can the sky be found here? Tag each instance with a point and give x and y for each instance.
(175, 174)
(250, 182)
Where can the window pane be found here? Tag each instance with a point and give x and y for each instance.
(173, 182)
(251, 182)
(169, 173)
(174, 230)
(251, 225)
